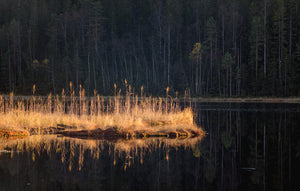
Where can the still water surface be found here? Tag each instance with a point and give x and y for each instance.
(246, 147)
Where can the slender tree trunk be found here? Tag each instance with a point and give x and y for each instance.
(108, 72)
(220, 91)
(227, 81)
(77, 63)
(279, 53)
(230, 88)
(14, 69)
(290, 57)
(53, 76)
(131, 69)
(95, 63)
(223, 35)
(20, 52)
(116, 67)
(169, 53)
(64, 28)
(265, 38)
(211, 63)
(197, 77)
(164, 64)
(9, 70)
(256, 58)
(94, 72)
(200, 76)
(89, 71)
(153, 62)
(241, 67)
(102, 72)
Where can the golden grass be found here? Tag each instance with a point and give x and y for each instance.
(127, 113)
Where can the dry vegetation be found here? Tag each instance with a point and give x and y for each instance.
(128, 113)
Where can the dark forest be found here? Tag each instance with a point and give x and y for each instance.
(204, 47)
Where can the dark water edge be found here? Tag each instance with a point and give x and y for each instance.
(255, 145)
(246, 147)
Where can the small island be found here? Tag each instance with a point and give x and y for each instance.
(121, 116)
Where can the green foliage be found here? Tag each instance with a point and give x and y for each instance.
(195, 55)
(211, 28)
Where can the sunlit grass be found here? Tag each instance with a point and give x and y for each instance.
(129, 112)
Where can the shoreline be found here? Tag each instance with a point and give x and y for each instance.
(242, 100)
(180, 99)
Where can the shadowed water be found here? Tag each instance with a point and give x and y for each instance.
(246, 147)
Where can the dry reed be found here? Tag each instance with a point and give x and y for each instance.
(126, 112)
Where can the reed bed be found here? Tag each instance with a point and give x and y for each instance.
(127, 112)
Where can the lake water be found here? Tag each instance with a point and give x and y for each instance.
(246, 147)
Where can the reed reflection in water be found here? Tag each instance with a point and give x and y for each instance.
(73, 151)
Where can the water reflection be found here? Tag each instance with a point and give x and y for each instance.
(251, 146)
(73, 150)
(247, 147)
(61, 163)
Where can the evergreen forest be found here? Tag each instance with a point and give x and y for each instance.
(203, 47)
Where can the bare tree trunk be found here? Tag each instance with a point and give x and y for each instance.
(220, 91)
(164, 63)
(131, 69)
(14, 68)
(240, 67)
(89, 71)
(95, 63)
(153, 62)
(290, 57)
(9, 71)
(20, 53)
(64, 28)
(77, 63)
(108, 73)
(197, 77)
(256, 57)
(211, 62)
(102, 72)
(94, 72)
(169, 53)
(230, 79)
(200, 76)
(265, 38)
(116, 67)
(53, 76)
(223, 34)
(279, 52)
